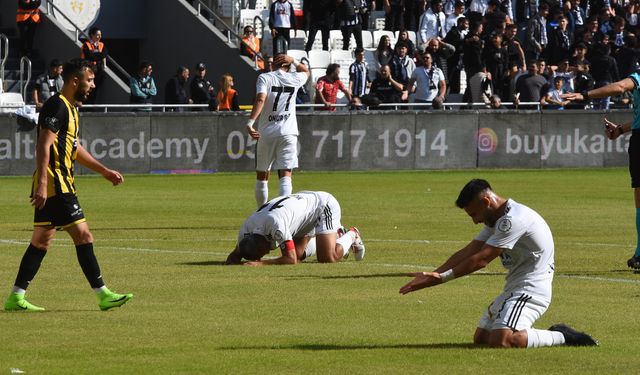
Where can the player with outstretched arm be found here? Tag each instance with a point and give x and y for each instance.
(630, 84)
(523, 241)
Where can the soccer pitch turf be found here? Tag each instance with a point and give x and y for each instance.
(165, 238)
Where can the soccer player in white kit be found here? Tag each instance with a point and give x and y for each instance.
(523, 241)
(291, 222)
(277, 130)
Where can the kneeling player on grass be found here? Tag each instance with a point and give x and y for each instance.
(523, 241)
(292, 222)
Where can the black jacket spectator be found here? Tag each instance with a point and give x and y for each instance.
(559, 47)
(176, 89)
(472, 52)
(603, 67)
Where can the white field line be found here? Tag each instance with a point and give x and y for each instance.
(389, 265)
(382, 240)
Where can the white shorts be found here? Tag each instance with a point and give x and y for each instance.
(277, 152)
(329, 220)
(513, 310)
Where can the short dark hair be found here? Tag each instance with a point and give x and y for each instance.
(74, 67)
(93, 31)
(331, 68)
(144, 64)
(470, 191)
(181, 70)
(401, 44)
(358, 50)
(248, 247)
(55, 63)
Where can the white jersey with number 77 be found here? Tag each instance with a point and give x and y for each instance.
(278, 116)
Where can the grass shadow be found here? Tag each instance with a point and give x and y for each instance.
(204, 263)
(330, 347)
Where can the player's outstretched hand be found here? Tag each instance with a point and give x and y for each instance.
(113, 176)
(611, 130)
(253, 264)
(421, 280)
(572, 96)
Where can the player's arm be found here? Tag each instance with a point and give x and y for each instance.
(288, 249)
(258, 105)
(86, 159)
(612, 89)
(476, 261)
(43, 147)
(458, 257)
(234, 257)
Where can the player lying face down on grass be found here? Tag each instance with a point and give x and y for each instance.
(293, 223)
(523, 241)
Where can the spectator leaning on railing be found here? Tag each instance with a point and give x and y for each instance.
(385, 88)
(143, 87)
(175, 91)
(428, 82)
(327, 88)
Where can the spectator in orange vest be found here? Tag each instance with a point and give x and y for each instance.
(227, 96)
(251, 43)
(27, 19)
(95, 51)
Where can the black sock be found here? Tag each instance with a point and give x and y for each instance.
(89, 265)
(29, 266)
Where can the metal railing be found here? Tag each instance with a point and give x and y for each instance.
(342, 106)
(4, 55)
(24, 85)
(229, 30)
(78, 32)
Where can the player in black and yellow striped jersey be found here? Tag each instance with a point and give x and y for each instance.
(53, 190)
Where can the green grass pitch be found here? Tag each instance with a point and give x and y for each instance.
(164, 239)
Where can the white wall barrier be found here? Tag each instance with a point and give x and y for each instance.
(196, 142)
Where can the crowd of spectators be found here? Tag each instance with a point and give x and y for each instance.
(497, 50)
(514, 51)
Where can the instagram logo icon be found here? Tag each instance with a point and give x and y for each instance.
(487, 140)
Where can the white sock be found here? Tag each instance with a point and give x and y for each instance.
(285, 186)
(537, 338)
(98, 290)
(18, 290)
(262, 192)
(310, 249)
(345, 241)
